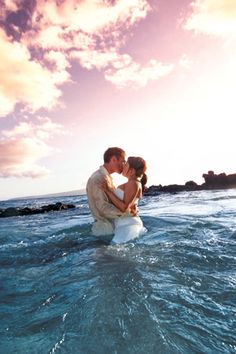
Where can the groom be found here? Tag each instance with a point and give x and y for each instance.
(103, 211)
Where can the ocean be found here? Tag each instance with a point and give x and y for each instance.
(173, 290)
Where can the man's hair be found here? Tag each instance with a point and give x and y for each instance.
(113, 151)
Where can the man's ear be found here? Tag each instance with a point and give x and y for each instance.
(113, 159)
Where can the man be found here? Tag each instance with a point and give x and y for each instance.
(103, 211)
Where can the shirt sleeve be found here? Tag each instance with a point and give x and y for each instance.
(106, 208)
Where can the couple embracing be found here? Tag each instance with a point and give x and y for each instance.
(115, 209)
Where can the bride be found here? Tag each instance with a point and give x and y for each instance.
(126, 197)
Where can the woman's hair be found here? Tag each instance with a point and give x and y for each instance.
(113, 151)
(139, 165)
(143, 181)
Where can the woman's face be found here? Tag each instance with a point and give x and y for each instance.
(126, 170)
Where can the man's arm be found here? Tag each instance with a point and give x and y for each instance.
(107, 209)
(131, 190)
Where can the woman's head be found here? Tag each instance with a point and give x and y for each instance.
(137, 164)
(137, 167)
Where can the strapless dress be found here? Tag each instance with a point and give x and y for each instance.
(127, 227)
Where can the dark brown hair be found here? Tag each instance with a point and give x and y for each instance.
(140, 167)
(113, 151)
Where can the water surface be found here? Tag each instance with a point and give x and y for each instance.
(171, 291)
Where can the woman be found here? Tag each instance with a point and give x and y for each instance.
(126, 197)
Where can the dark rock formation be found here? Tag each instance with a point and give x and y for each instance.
(212, 181)
(30, 211)
(10, 212)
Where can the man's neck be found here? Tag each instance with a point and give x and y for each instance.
(108, 168)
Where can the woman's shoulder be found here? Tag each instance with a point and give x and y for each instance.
(133, 184)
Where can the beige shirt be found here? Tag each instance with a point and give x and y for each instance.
(103, 211)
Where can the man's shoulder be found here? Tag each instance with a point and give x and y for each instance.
(94, 174)
(97, 175)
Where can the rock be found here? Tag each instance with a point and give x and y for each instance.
(59, 206)
(191, 185)
(31, 211)
(212, 181)
(173, 188)
(68, 206)
(36, 211)
(10, 212)
(232, 179)
(153, 190)
(26, 211)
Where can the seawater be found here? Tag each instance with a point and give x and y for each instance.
(173, 290)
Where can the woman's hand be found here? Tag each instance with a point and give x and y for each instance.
(133, 210)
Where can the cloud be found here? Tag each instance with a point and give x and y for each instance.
(58, 59)
(213, 17)
(74, 24)
(185, 62)
(53, 34)
(133, 75)
(24, 80)
(11, 5)
(89, 16)
(93, 32)
(43, 130)
(23, 146)
(120, 69)
(101, 59)
(18, 156)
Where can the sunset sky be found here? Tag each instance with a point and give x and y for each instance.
(156, 78)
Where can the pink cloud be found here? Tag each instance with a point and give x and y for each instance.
(185, 62)
(100, 59)
(91, 31)
(120, 69)
(89, 16)
(213, 17)
(11, 5)
(75, 28)
(24, 80)
(44, 129)
(18, 156)
(79, 24)
(58, 59)
(22, 147)
(136, 76)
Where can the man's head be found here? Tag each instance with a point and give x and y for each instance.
(114, 159)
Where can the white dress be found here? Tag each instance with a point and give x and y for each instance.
(127, 227)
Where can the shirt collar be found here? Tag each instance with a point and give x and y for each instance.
(104, 171)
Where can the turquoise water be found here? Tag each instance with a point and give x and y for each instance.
(171, 291)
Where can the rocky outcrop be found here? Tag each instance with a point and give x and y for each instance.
(212, 181)
(30, 211)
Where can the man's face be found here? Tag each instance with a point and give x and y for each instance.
(119, 164)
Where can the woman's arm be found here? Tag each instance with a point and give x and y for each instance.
(131, 190)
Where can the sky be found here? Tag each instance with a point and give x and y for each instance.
(154, 77)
